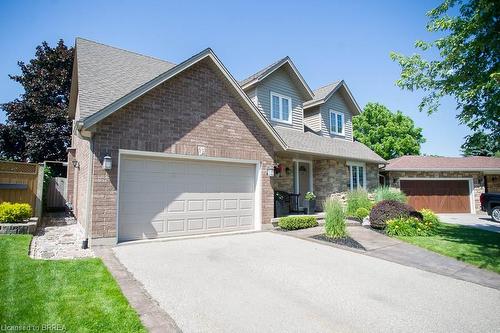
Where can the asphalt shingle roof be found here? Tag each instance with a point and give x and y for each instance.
(261, 72)
(106, 73)
(322, 92)
(424, 163)
(315, 144)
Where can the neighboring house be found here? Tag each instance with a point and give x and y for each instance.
(444, 184)
(161, 150)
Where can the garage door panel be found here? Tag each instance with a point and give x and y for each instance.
(186, 197)
(441, 196)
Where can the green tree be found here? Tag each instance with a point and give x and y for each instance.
(466, 67)
(388, 134)
(481, 144)
(37, 126)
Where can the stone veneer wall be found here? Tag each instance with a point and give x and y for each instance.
(493, 183)
(284, 181)
(330, 178)
(477, 177)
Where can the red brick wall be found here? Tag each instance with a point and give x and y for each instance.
(194, 108)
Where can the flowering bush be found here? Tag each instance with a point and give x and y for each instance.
(412, 226)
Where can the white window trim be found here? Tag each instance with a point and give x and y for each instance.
(358, 164)
(336, 113)
(289, 121)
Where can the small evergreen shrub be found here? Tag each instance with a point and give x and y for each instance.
(357, 199)
(334, 219)
(361, 213)
(387, 210)
(389, 193)
(297, 222)
(14, 212)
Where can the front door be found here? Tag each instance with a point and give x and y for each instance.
(303, 180)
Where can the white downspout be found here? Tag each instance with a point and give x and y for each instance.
(88, 204)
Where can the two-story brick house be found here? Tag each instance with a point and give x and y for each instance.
(164, 150)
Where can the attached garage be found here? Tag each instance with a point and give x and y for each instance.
(166, 197)
(439, 195)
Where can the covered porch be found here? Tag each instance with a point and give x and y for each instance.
(297, 174)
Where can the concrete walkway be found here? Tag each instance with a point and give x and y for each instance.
(383, 247)
(481, 221)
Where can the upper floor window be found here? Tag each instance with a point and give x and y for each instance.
(281, 108)
(337, 123)
(357, 175)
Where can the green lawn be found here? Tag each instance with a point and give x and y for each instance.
(474, 246)
(79, 295)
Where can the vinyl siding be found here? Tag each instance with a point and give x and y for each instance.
(280, 83)
(312, 119)
(252, 93)
(336, 103)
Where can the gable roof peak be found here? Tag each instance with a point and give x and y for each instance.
(268, 70)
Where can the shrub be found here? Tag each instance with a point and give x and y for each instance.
(334, 219)
(389, 193)
(297, 222)
(357, 199)
(14, 212)
(387, 210)
(410, 226)
(361, 213)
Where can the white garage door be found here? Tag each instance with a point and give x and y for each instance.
(173, 197)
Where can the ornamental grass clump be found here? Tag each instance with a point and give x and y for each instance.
(389, 193)
(357, 199)
(14, 212)
(334, 219)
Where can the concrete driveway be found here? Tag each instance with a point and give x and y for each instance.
(267, 282)
(481, 221)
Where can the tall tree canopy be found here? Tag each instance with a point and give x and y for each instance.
(37, 126)
(467, 68)
(481, 144)
(388, 134)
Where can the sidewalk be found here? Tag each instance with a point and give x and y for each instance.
(383, 247)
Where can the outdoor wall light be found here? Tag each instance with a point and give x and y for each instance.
(76, 165)
(107, 164)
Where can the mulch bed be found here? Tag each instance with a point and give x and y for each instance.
(346, 241)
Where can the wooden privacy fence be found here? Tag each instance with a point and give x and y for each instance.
(56, 194)
(22, 183)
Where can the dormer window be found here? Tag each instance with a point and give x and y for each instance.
(337, 123)
(281, 108)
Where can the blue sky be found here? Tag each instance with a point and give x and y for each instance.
(327, 40)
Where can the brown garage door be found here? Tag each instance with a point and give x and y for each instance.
(442, 196)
